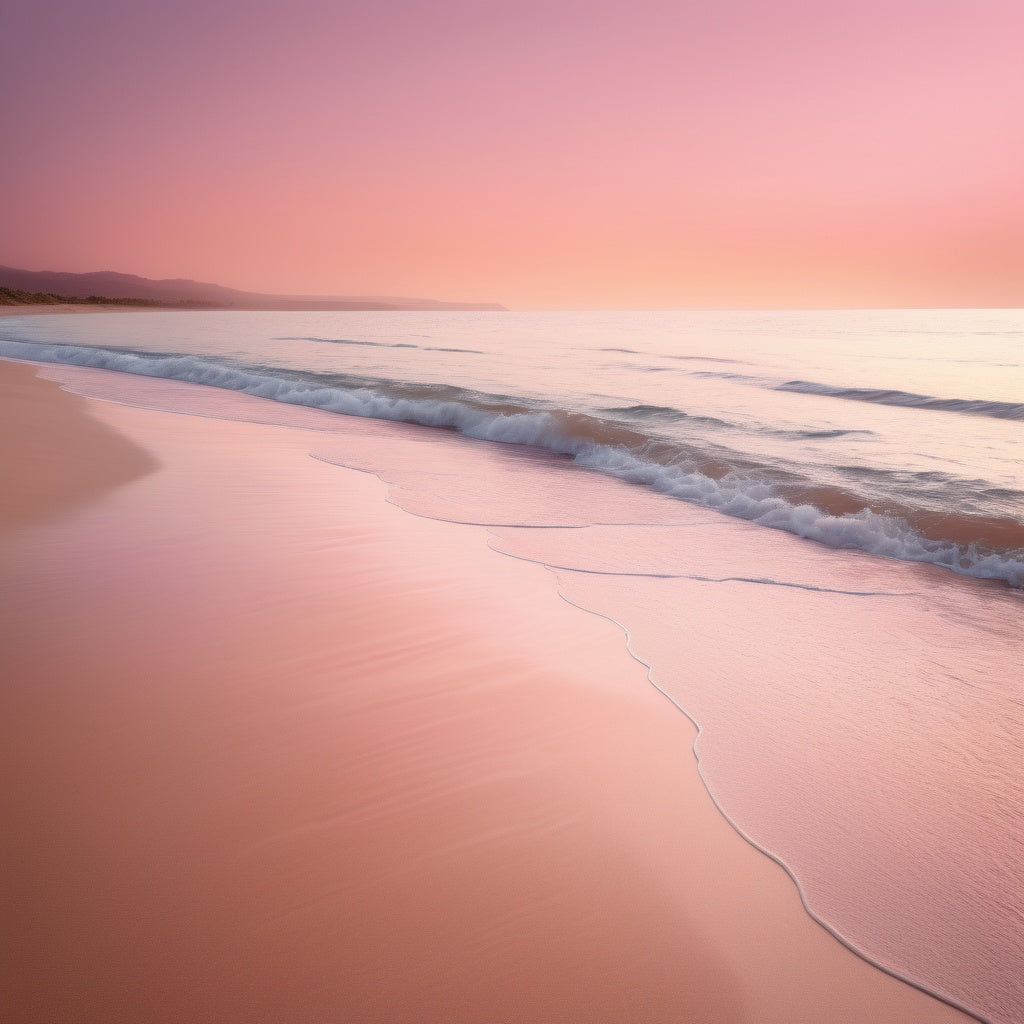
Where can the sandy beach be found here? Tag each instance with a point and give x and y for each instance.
(275, 750)
(549, 548)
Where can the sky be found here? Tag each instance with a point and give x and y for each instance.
(564, 154)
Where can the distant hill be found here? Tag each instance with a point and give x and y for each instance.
(17, 297)
(182, 292)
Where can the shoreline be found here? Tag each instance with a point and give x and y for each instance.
(765, 851)
(257, 546)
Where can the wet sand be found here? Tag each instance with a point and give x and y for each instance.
(273, 749)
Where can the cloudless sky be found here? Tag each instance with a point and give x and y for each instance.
(556, 154)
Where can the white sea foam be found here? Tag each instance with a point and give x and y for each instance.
(737, 493)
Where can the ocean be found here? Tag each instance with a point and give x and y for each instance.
(841, 493)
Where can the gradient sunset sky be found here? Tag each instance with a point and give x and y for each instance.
(557, 154)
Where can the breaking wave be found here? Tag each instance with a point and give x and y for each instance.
(664, 413)
(998, 410)
(714, 479)
(879, 396)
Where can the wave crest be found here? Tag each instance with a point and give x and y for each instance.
(965, 544)
(907, 399)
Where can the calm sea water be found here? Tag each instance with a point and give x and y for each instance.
(811, 526)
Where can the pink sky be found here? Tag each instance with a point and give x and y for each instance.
(558, 154)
